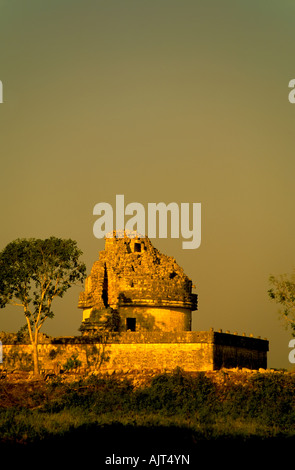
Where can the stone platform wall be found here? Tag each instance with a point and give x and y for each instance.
(239, 351)
(192, 351)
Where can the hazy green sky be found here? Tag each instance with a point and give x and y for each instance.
(159, 100)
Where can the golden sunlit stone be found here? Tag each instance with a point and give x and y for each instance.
(148, 290)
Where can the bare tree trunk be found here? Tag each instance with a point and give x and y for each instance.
(35, 358)
(34, 342)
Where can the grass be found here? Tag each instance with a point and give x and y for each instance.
(190, 408)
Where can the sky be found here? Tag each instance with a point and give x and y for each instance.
(159, 101)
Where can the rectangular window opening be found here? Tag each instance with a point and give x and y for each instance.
(137, 247)
(131, 324)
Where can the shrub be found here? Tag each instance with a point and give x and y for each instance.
(72, 363)
(178, 393)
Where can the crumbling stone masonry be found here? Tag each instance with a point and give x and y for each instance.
(149, 290)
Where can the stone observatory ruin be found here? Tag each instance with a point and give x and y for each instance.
(137, 315)
(144, 300)
(149, 291)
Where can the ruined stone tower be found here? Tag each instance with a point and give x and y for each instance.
(143, 301)
(147, 290)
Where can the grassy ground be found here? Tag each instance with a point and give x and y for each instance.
(179, 412)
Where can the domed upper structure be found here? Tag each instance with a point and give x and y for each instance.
(148, 290)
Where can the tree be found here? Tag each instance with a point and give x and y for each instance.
(33, 272)
(283, 292)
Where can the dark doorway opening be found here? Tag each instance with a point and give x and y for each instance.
(131, 324)
(137, 247)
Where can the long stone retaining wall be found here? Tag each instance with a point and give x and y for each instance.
(191, 351)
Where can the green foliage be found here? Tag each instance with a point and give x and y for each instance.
(72, 363)
(23, 334)
(98, 395)
(272, 400)
(33, 272)
(283, 293)
(97, 354)
(16, 360)
(268, 399)
(14, 422)
(261, 405)
(178, 393)
(53, 353)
